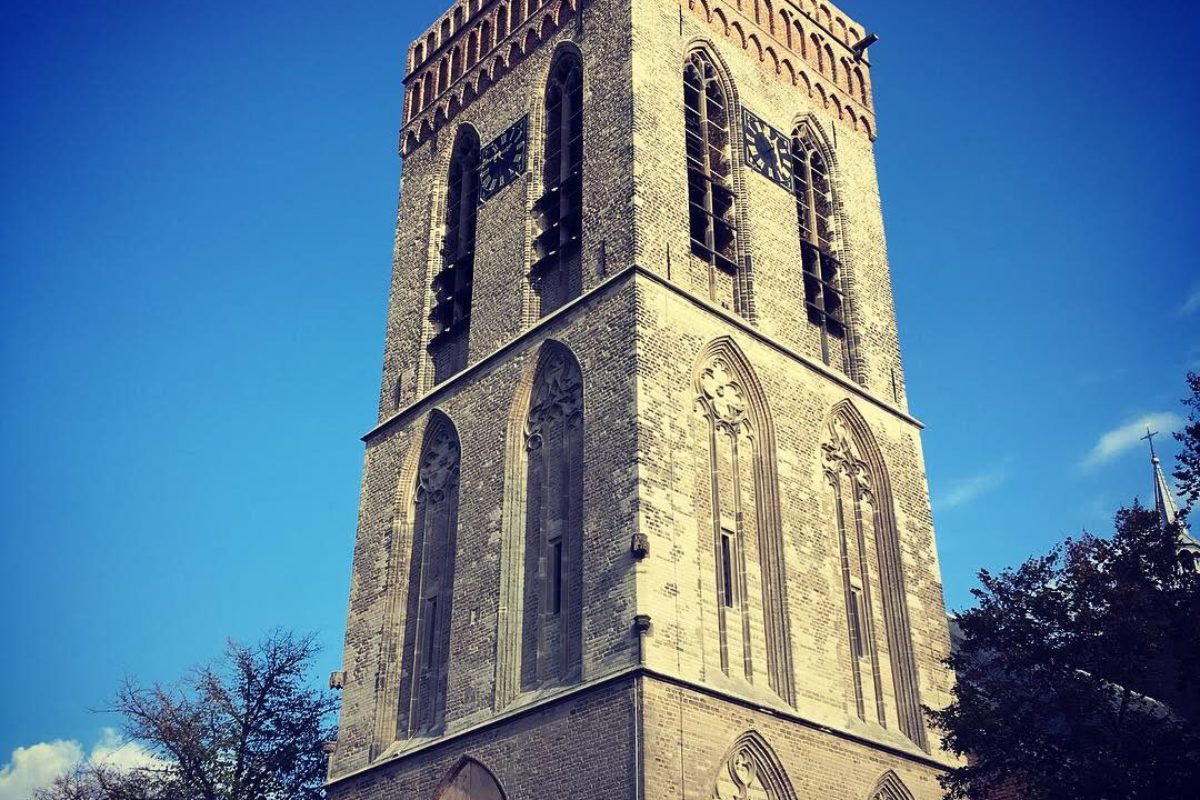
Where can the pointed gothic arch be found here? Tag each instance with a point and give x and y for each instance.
(540, 640)
(716, 214)
(470, 780)
(818, 215)
(890, 787)
(752, 771)
(454, 282)
(737, 509)
(884, 676)
(425, 644)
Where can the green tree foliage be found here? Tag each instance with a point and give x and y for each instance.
(1079, 674)
(245, 727)
(1188, 470)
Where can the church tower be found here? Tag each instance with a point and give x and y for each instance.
(644, 514)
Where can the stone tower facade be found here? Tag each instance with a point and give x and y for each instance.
(645, 513)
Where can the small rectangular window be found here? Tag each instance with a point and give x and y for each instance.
(431, 623)
(728, 571)
(556, 576)
(858, 642)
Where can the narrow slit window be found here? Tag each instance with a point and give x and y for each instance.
(431, 626)
(858, 643)
(728, 570)
(556, 576)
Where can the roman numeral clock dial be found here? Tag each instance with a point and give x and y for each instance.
(504, 160)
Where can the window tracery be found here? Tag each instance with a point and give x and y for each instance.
(431, 582)
(737, 508)
(752, 772)
(877, 633)
(553, 614)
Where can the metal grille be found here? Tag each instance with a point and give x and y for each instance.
(712, 212)
(824, 299)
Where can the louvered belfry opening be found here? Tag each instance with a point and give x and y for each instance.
(557, 268)
(823, 295)
(712, 211)
(452, 286)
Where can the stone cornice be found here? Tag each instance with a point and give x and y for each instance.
(610, 286)
(632, 674)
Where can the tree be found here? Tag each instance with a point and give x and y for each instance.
(1188, 469)
(1078, 674)
(245, 727)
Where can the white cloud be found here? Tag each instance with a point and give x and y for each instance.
(38, 766)
(1128, 436)
(968, 490)
(114, 752)
(1193, 302)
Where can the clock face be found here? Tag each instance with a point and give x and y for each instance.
(504, 160)
(767, 150)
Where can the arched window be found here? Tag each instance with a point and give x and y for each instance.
(443, 75)
(711, 199)
(552, 635)
(429, 91)
(472, 48)
(414, 99)
(453, 285)
(883, 671)
(557, 268)
(815, 208)
(485, 38)
(501, 23)
(430, 582)
(864, 95)
(736, 496)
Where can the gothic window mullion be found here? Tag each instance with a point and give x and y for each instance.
(553, 597)
(853, 621)
(430, 592)
(725, 542)
(868, 614)
(737, 441)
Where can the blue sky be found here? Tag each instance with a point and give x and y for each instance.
(195, 238)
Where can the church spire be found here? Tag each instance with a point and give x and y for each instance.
(1164, 498)
(1168, 511)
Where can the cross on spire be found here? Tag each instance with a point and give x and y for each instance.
(1149, 437)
